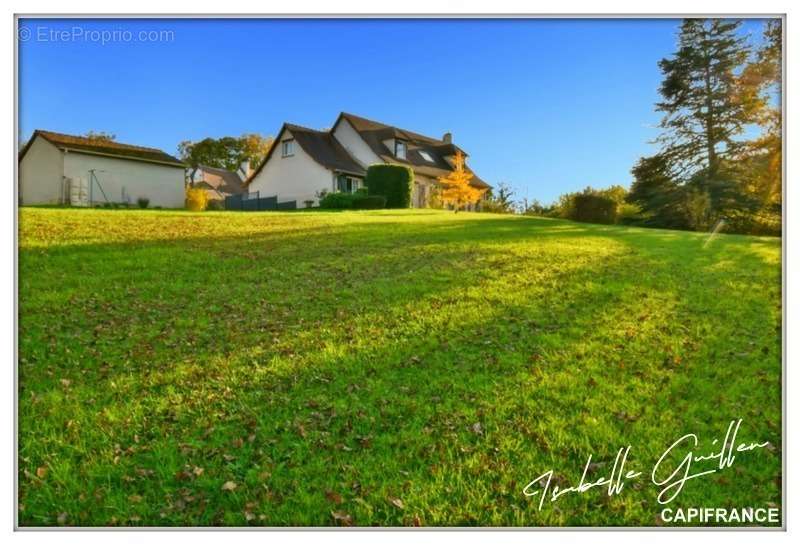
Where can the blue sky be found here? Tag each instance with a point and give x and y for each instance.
(547, 106)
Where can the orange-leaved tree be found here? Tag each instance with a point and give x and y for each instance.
(456, 190)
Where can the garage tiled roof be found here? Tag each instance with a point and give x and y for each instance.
(104, 147)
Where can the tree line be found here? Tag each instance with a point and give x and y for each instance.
(718, 89)
(227, 152)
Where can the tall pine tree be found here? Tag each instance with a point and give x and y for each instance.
(703, 111)
(692, 181)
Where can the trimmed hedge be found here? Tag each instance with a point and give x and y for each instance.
(370, 202)
(356, 201)
(395, 182)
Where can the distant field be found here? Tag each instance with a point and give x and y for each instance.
(382, 368)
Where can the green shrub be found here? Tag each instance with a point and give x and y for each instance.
(763, 222)
(337, 200)
(594, 208)
(629, 214)
(395, 182)
(369, 202)
(215, 204)
(143, 202)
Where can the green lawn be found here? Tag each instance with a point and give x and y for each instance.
(382, 368)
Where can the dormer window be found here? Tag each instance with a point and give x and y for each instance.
(399, 149)
(427, 156)
(287, 148)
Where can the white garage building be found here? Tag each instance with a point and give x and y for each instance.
(59, 168)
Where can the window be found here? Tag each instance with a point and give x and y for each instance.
(287, 148)
(399, 149)
(347, 184)
(426, 156)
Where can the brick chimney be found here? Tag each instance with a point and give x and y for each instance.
(447, 138)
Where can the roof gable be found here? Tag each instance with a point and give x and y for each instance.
(321, 146)
(325, 149)
(226, 182)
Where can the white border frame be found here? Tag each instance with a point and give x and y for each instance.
(422, 9)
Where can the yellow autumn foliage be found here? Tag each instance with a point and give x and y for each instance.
(456, 190)
(196, 199)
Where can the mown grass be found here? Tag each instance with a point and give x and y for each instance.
(381, 368)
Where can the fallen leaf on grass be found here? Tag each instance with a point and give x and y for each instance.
(593, 466)
(397, 502)
(41, 472)
(230, 485)
(333, 496)
(342, 518)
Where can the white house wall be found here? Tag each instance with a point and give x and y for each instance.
(40, 174)
(296, 178)
(163, 185)
(353, 143)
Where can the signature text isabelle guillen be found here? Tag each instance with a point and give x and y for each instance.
(668, 475)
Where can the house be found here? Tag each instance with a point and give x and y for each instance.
(57, 168)
(218, 182)
(305, 162)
